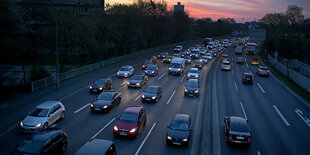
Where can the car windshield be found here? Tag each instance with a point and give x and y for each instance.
(128, 117)
(226, 63)
(124, 69)
(248, 75)
(264, 68)
(174, 65)
(100, 82)
(187, 57)
(31, 146)
(137, 77)
(168, 57)
(197, 62)
(238, 127)
(204, 57)
(179, 125)
(38, 112)
(152, 68)
(240, 58)
(151, 90)
(192, 84)
(193, 71)
(105, 96)
(251, 48)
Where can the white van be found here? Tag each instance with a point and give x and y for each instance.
(177, 66)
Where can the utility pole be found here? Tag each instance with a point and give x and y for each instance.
(56, 31)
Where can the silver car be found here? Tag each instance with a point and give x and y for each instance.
(193, 73)
(43, 116)
(125, 71)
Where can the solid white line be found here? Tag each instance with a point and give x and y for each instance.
(182, 78)
(102, 128)
(284, 120)
(246, 118)
(260, 87)
(247, 65)
(251, 72)
(161, 76)
(171, 97)
(81, 108)
(148, 134)
(258, 153)
(124, 83)
(233, 72)
(305, 119)
(236, 85)
(138, 97)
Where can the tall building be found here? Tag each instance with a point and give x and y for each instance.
(179, 7)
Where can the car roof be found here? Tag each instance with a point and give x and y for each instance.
(153, 86)
(45, 134)
(48, 104)
(192, 80)
(133, 109)
(247, 74)
(108, 92)
(95, 146)
(226, 62)
(194, 69)
(181, 117)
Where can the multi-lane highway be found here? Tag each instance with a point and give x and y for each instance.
(277, 118)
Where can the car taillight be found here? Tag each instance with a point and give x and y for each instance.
(65, 135)
(230, 136)
(249, 139)
(260, 70)
(267, 71)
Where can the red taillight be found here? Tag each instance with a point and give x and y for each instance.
(230, 137)
(267, 71)
(260, 70)
(65, 135)
(249, 139)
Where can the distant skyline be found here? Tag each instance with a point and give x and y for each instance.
(240, 10)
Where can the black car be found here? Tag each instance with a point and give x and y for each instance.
(192, 88)
(236, 130)
(182, 54)
(197, 64)
(151, 58)
(137, 81)
(49, 141)
(247, 78)
(151, 70)
(100, 85)
(106, 101)
(151, 94)
(162, 55)
(179, 131)
(147, 64)
(97, 146)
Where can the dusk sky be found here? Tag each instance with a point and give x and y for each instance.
(248, 10)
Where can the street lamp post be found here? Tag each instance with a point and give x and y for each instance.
(56, 31)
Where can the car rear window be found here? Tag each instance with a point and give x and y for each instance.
(248, 75)
(226, 63)
(31, 146)
(238, 127)
(128, 117)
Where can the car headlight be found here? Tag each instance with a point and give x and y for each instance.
(169, 68)
(100, 88)
(179, 69)
(186, 90)
(196, 75)
(153, 71)
(196, 91)
(185, 140)
(105, 106)
(115, 128)
(200, 60)
(38, 125)
(90, 87)
(138, 84)
(117, 73)
(133, 130)
(128, 83)
(188, 75)
(154, 97)
(143, 96)
(91, 105)
(125, 74)
(21, 124)
(168, 137)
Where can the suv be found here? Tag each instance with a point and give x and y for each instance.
(97, 146)
(247, 78)
(100, 85)
(43, 116)
(46, 142)
(131, 122)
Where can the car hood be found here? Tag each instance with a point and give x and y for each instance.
(178, 134)
(31, 120)
(135, 81)
(101, 103)
(240, 133)
(126, 126)
(148, 95)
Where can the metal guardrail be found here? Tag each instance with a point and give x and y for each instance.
(35, 85)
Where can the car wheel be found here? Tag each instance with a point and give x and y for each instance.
(62, 115)
(45, 126)
(64, 148)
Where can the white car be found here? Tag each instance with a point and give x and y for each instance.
(43, 116)
(209, 56)
(193, 73)
(204, 59)
(125, 71)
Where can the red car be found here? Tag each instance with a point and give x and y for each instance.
(131, 122)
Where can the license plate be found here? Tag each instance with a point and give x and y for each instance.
(94, 90)
(147, 99)
(123, 134)
(97, 108)
(190, 94)
(176, 143)
(239, 137)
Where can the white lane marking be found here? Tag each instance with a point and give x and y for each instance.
(76, 111)
(246, 118)
(124, 83)
(182, 78)
(161, 76)
(260, 87)
(233, 72)
(284, 120)
(148, 134)
(138, 97)
(251, 72)
(102, 128)
(247, 65)
(258, 153)
(171, 97)
(245, 59)
(236, 85)
(305, 119)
